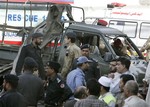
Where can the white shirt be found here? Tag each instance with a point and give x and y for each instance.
(135, 101)
(114, 86)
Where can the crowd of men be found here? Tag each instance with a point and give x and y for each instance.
(78, 84)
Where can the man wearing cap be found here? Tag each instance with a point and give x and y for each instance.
(119, 48)
(76, 77)
(105, 95)
(92, 71)
(30, 86)
(11, 98)
(57, 90)
(72, 52)
(31, 50)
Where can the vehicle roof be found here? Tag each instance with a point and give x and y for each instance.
(96, 29)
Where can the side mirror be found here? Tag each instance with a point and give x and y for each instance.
(108, 57)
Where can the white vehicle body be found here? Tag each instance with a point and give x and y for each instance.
(16, 18)
(135, 22)
(132, 19)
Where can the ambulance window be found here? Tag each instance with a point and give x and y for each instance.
(126, 27)
(145, 30)
(121, 23)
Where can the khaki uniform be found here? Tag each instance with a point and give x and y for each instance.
(146, 47)
(72, 52)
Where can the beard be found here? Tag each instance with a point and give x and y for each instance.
(4, 88)
(38, 43)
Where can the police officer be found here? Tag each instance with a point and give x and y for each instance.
(31, 50)
(56, 90)
(93, 71)
(72, 52)
(29, 85)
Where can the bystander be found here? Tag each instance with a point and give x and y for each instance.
(11, 98)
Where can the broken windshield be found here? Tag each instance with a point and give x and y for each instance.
(122, 46)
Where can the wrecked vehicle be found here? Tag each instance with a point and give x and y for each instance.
(104, 38)
(54, 30)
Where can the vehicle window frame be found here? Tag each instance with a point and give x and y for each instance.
(136, 26)
(92, 33)
(140, 31)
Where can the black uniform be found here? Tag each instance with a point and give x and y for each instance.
(12, 99)
(30, 51)
(92, 72)
(57, 91)
(31, 87)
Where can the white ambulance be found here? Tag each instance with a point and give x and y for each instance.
(133, 21)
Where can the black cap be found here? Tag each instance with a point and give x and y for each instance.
(71, 34)
(30, 62)
(11, 78)
(55, 65)
(36, 35)
(85, 46)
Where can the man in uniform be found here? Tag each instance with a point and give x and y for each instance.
(76, 77)
(30, 86)
(11, 98)
(92, 71)
(31, 50)
(56, 90)
(72, 52)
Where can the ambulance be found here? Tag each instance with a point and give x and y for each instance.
(133, 21)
